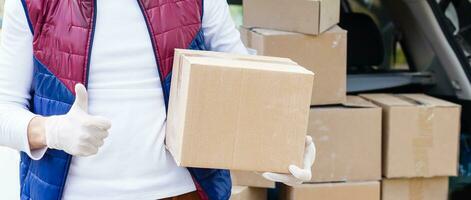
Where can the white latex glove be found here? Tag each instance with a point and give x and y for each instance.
(77, 132)
(298, 175)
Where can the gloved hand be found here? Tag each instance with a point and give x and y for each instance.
(298, 175)
(77, 132)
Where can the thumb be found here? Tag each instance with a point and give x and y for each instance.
(81, 97)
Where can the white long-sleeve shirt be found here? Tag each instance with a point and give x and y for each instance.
(124, 86)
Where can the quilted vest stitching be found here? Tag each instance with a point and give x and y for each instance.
(57, 70)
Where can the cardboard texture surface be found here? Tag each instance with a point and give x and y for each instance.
(415, 189)
(252, 179)
(303, 16)
(325, 55)
(420, 135)
(332, 191)
(340, 134)
(248, 193)
(235, 112)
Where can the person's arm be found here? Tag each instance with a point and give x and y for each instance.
(16, 72)
(220, 32)
(76, 132)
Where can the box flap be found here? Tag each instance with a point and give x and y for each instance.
(186, 52)
(351, 102)
(422, 99)
(356, 101)
(407, 100)
(265, 65)
(272, 32)
(387, 100)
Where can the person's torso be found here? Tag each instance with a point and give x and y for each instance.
(63, 39)
(124, 86)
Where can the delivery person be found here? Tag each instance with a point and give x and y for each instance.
(107, 142)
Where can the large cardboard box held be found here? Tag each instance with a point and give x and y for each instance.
(251, 179)
(235, 112)
(420, 135)
(248, 193)
(332, 191)
(325, 55)
(304, 16)
(340, 133)
(415, 189)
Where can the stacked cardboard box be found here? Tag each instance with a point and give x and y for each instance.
(415, 189)
(311, 17)
(249, 185)
(340, 133)
(248, 193)
(332, 191)
(348, 163)
(305, 31)
(347, 167)
(324, 54)
(420, 145)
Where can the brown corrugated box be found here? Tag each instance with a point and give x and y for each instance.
(235, 112)
(304, 16)
(340, 133)
(420, 135)
(248, 193)
(251, 179)
(332, 191)
(325, 55)
(415, 189)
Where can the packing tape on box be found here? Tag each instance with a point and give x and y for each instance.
(424, 141)
(416, 189)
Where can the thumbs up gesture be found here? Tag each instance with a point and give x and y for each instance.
(77, 132)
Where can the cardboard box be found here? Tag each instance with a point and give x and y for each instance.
(325, 55)
(340, 133)
(303, 16)
(235, 112)
(415, 189)
(420, 135)
(332, 191)
(248, 193)
(252, 179)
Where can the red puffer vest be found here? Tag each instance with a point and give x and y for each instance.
(63, 39)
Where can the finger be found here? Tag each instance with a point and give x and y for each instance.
(101, 134)
(95, 140)
(294, 183)
(283, 178)
(98, 143)
(87, 150)
(308, 140)
(277, 177)
(309, 153)
(81, 97)
(98, 122)
(301, 174)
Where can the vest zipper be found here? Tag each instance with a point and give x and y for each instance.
(92, 35)
(154, 48)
